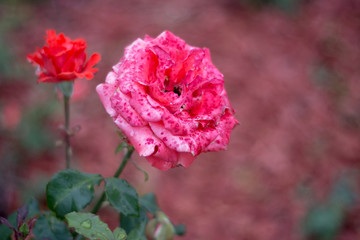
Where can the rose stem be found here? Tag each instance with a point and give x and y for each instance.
(117, 174)
(67, 135)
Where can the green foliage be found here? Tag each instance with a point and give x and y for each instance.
(7, 60)
(24, 228)
(90, 226)
(48, 226)
(131, 222)
(33, 210)
(135, 225)
(325, 220)
(122, 196)
(71, 190)
(12, 19)
(286, 5)
(289, 6)
(5, 231)
(33, 133)
(119, 234)
(137, 233)
(148, 201)
(180, 229)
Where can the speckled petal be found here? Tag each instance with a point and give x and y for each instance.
(177, 126)
(226, 124)
(105, 92)
(141, 104)
(142, 138)
(178, 143)
(164, 159)
(120, 103)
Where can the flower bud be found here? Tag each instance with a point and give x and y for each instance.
(160, 228)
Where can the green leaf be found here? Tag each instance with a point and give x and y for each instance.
(323, 222)
(49, 227)
(79, 237)
(130, 222)
(5, 231)
(122, 196)
(148, 201)
(33, 207)
(24, 228)
(70, 190)
(32, 131)
(138, 233)
(89, 225)
(119, 234)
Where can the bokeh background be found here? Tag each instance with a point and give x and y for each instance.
(291, 70)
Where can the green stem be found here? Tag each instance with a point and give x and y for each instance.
(117, 174)
(67, 136)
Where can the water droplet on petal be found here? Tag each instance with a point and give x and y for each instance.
(120, 235)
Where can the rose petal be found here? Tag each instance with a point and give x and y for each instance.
(142, 138)
(120, 103)
(93, 60)
(66, 76)
(226, 124)
(164, 158)
(141, 104)
(105, 92)
(178, 143)
(178, 126)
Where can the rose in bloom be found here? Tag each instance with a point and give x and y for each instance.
(169, 100)
(63, 59)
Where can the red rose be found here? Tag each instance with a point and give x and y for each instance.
(169, 100)
(63, 59)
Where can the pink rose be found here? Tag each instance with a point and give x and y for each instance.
(169, 100)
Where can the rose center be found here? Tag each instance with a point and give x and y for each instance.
(170, 88)
(177, 90)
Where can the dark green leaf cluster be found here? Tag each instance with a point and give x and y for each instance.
(69, 192)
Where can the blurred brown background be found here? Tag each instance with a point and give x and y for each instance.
(291, 69)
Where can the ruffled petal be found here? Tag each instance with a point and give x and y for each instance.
(226, 124)
(178, 143)
(93, 60)
(67, 76)
(120, 103)
(63, 59)
(169, 100)
(142, 138)
(106, 91)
